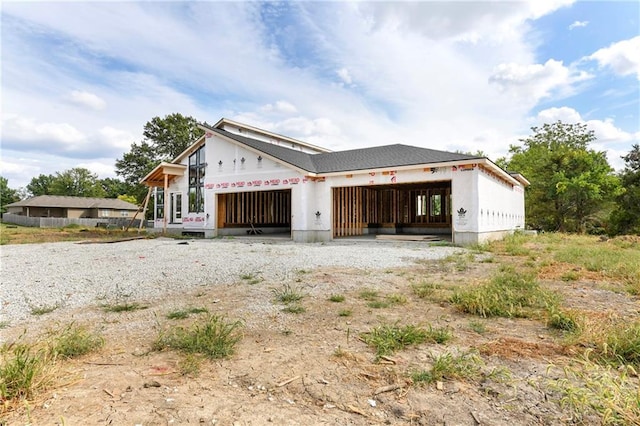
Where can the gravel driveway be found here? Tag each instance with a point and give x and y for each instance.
(71, 275)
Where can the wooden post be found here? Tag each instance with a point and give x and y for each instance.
(144, 209)
(166, 204)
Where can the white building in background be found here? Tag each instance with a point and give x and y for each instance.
(241, 180)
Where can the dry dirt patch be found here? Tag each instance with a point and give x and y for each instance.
(307, 368)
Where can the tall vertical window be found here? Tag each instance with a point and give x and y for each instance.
(421, 205)
(159, 203)
(197, 166)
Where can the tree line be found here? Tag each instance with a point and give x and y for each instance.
(573, 187)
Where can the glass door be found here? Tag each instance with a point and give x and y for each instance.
(176, 207)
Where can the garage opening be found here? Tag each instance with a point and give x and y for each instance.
(403, 209)
(255, 212)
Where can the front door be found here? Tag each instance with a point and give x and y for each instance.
(176, 207)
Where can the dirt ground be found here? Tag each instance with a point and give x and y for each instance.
(313, 368)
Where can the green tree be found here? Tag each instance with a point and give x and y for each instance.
(113, 187)
(40, 185)
(570, 184)
(78, 182)
(165, 139)
(172, 134)
(7, 195)
(625, 218)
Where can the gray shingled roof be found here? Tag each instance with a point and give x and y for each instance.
(356, 159)
(65, 201)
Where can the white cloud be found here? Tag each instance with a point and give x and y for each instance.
(578, 24)
(280, 107)
(344, 75)
(623, 57)
(87, 99)
(536, 81)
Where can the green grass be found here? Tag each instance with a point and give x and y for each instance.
(23, 371)
(214, 337)
(563, 320)
(75, 340)
(467, 365)
(424, 289)
(185, 313)
(623, 345)
(589, 388)
(190, 364)
(123, 307)
(368, 294)
(294, 308)
(387, 339)
(287, 294)
(478, 326)
(337, 298)
(510, 293)
(45, 309)
(345, 313)
(251, 278)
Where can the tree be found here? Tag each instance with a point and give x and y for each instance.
(40, 185)
(570, 183)
(165, 139)
(171, 135)
(7, 195)
(78, 182)
(113, 187)
(625, 219)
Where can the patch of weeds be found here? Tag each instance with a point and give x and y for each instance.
(368, 294)
(478, 326)
(4, 324)
(23, 371)
(340, 353)
(396, 299)
(567, 321)
(423, 290)
(251, 278)
(510, 293)
(460, 261)
(294, 308)
(44, 309)
(338, 298)
(287, 294)
(213, 337)
(75, 340)
(570, 276)
(467, 365)
(190, 365)
(345, 313)
(185, 313)
(123, 307)
(623, 345)
(514, 244)
(387, 339)
(588, 388)
(379, 304)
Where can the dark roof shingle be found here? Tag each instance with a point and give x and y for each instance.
(65, 201)
(356, 159)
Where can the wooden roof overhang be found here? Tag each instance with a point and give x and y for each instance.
(163, 173)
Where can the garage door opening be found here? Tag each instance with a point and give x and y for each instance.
(404, 209)
(254, 213)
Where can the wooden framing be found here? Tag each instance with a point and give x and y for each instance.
(260, 208)
(357, 208)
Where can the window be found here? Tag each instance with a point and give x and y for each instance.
(105, 213)
(124, 213)
(197, 168)
(421, 205)
(436, 205)
(159, 203)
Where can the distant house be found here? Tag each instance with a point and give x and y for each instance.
(59, 206)
(237, 179)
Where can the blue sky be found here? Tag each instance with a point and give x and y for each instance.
(80, 79)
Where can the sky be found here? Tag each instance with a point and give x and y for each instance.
(80, 79)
